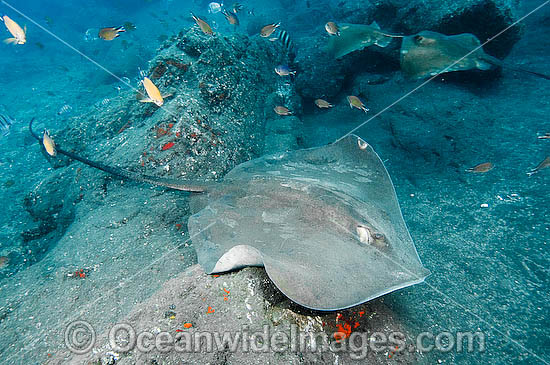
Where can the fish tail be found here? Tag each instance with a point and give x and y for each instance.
(532, 172)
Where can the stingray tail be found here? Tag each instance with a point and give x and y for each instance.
(126, 174)
(518, 69)
(499, 63)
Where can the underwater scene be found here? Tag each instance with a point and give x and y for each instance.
(265, 182)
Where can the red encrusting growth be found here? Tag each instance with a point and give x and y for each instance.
(168, 145)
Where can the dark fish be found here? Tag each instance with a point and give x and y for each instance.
(5, 124)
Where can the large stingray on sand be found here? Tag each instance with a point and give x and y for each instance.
(429, 53)
(324, 222)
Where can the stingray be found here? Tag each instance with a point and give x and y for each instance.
(429, 53)
(354, 37)
(324, 222)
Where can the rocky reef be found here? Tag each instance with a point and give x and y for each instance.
(241, 318)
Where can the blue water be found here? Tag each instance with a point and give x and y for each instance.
(489, 263)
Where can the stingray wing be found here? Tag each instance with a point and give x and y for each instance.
(303, 215)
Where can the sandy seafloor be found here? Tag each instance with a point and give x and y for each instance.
(489, 264)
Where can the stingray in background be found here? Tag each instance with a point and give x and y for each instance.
(429, 53)
(354, 37)
(324, 222)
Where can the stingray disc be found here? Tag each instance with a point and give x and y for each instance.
(324, 222)
(429, 53)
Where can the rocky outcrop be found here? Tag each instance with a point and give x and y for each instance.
(259, 322)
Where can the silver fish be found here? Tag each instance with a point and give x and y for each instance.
(5, 124)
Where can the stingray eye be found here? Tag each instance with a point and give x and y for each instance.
(418, 39)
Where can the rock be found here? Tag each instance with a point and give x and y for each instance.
(265, 325)
(213, 120)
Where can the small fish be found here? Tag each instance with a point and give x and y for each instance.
(323, 104)
(545, 136)
(64, 109)
(214, 7)
(129, 26)
(49, 144)
(543, 165)
(284, 70)
(48, 20)
(5, 124)
(281, 110)
(481, 168)
(231, 17)
(237, 7)
(19, 34)
(4, 261)
(285, 39)
(332, 28)
(355, 102)
(111, 33)
(268, 30)
(153, 93)
(206, 29)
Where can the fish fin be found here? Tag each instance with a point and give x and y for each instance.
(375, 25)
(10, 41)
(166, 95)
(25, 29)
(146, 100)
(120, 29)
